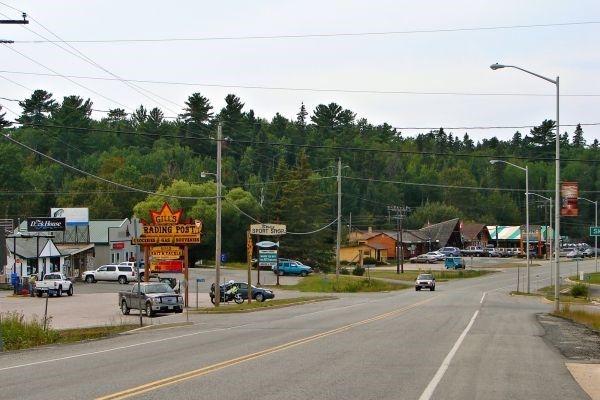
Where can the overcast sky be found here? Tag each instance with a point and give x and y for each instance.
(421, 64)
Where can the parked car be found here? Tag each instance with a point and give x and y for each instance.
(54, 284)
(291, 267)
(454, 263)
(575, 253)
(476, 251)
(591, 252)
(258, 294)
(450, 251)
(152, 298)
(425, 281)
(426, 258)
(118, 273)
(439, 256)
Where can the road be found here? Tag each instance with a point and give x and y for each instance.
(467, 340)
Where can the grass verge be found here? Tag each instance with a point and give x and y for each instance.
(594, 278)
(345, 284)
(18, 333)
(548, 293)
(439, 275)
(591, 320)
(256, 305)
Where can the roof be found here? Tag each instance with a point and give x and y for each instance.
(471, 231)
(375, 246)
(440, 232)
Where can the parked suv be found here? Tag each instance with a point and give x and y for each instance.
(119, 273)
(450, 251)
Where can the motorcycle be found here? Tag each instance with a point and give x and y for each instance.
(225, 296)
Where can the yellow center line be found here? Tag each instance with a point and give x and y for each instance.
(154, 385)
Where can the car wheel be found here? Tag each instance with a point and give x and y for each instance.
(59, 291)
(89, 279)
(417, 289)
(122, 280)
(124, 308)
(39, 293)
(303, 273)
(149, 312)
(70, 291)
(259, 297)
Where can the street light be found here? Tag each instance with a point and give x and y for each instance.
(549, 199)
(595, 203)
(203, 174)
(557, 180)
(526, 211)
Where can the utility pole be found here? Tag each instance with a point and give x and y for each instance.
(13, 21)
(339, 220)
(399, 216)
(218, 219)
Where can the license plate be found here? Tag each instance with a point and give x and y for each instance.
(170, 307)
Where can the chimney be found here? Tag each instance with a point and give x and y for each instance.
(370, 230)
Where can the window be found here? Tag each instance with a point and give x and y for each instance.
(111, 268)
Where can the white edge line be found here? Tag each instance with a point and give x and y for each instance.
(428, 392)
(482, 298)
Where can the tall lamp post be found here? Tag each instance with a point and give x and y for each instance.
(218, 216)
(526, 210)
(548, 240)
(595, 203)
(557, 180)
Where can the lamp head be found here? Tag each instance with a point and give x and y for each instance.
(496, 66)
(494, 161)
(203, 174)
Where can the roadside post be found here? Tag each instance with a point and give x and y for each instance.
(198, 280)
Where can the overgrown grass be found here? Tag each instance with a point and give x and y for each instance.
(257, 305)
(18, 333)
(345, 284)
(439, 275)
(548, 293)
(591, 320)
(594, 278)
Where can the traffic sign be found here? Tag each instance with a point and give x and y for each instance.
(594, 230)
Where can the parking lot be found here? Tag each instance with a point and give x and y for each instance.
(96, 304)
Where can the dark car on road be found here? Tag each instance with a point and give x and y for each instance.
(258, 294)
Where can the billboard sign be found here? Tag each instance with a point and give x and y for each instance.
(569, 191)
(268, 229)
(72, 216)
(45, 224)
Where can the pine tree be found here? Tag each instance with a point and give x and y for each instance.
(578, 140)
(37, 109)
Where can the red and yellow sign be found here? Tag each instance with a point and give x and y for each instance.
(166, 252)
(166, 228)
(569, 191)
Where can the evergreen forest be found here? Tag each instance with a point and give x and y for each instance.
(283, 170)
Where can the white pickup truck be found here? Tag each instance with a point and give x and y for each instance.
(54, 284)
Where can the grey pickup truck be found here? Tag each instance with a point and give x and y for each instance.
(152, 297)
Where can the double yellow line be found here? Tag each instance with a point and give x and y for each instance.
(155, 385)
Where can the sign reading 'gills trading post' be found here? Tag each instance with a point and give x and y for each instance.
(167, 228)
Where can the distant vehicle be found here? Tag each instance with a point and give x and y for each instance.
(111, 272)
(258, 294)
(291, 267)
(575, 253)
(450, 251)
(476, 251)
(591, 252)
(152, 298)
(454, 263)
(426, 258)
(425, 281)
(493, 252)
(438, 255)
(54, 284)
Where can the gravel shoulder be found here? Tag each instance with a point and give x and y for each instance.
(580, 346)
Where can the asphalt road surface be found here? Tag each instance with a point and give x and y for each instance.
(467, 340)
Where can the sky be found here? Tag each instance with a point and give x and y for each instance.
(410, 64)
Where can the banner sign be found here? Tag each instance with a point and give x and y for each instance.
(267, 229)
(73, 216)
(569, 191)
(45, 224)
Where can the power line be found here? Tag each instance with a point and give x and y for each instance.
(323, 35)
(300, 89)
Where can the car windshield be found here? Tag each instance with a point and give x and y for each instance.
(425, 276)
(158, 288)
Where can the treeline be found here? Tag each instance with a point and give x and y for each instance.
(283, 170)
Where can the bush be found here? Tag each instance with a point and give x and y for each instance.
(579, 290)
(369, 260)
(344, 271)
(358, 271)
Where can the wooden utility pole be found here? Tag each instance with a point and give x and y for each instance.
(399, 216)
